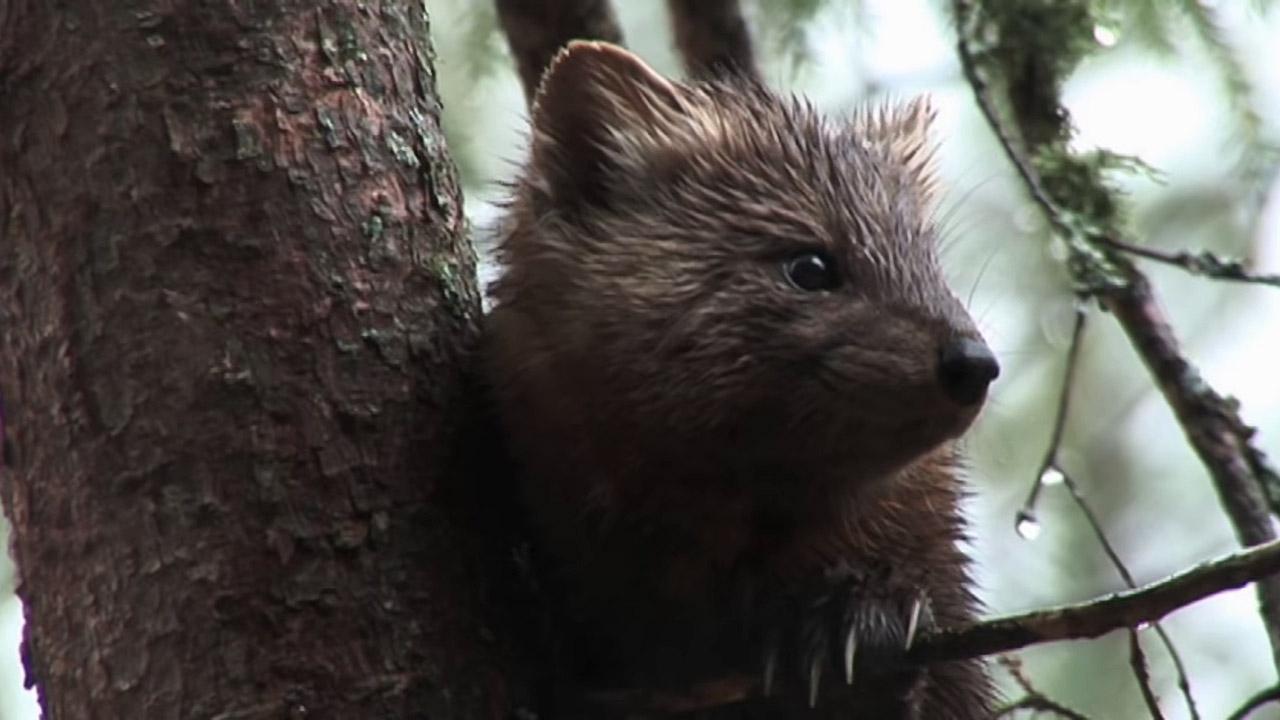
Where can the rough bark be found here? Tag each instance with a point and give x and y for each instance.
(235, 300)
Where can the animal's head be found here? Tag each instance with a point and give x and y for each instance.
(731, 261)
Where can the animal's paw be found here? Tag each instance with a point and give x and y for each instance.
(837, 629)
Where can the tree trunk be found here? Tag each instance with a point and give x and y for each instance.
(235, 300)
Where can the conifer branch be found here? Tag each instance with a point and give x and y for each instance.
(1083, 214)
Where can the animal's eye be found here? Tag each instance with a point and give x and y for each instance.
(811, 271)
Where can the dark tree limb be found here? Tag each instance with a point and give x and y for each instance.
(537, 29)
(1128, 609)
(1131, 608)
(1210, 421)
(713, 38)
(1212, 425)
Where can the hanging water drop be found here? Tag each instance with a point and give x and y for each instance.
(1026, 525)
(1052, 476)
(1105, 36)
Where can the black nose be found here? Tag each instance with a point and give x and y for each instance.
(965, 369)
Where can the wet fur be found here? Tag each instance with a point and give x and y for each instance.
(701, 444)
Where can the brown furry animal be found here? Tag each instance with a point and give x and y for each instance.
(731, 372)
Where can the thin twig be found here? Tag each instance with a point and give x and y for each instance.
(1202, 263)
(1013, 665)
(1033, 699)
(1039, 704)
(1097, 617)
(1184, 681)
(982, 96)
(1049, 466)
(1210, 422)
(1138, 661)
(1270, 695)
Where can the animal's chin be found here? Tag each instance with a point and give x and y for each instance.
(847, 434)
(879, 446)
(946, 424)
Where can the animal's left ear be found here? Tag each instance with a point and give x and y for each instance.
(598, 107)
(902, 132)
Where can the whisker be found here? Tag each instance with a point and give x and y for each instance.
(982, 271)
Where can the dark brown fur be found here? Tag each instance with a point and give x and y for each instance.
(707, 452)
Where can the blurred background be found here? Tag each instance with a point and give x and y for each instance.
(1157, 88)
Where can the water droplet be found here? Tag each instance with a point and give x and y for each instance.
(1026, 525)
(1052, 476)
(1106, 37)
(1144, 625)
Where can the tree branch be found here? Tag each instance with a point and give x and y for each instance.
(1212, 426)
(536, 30)
(1130, 608)
(1270, 695)
(1203, 263)
(1090, 619)
(712, 38)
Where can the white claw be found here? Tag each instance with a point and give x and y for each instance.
(850, 648)
(913, 622)
(815, 678)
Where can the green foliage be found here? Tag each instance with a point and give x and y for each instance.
(471, 53)
(784, 24)
(1044, 40)
(1030, 48)
(1256, 152)
(483, 52)
(1054, 34)
(1160, 25)
(1151, 23)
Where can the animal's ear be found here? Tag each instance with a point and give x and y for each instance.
(598, 107)
(902, 132)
